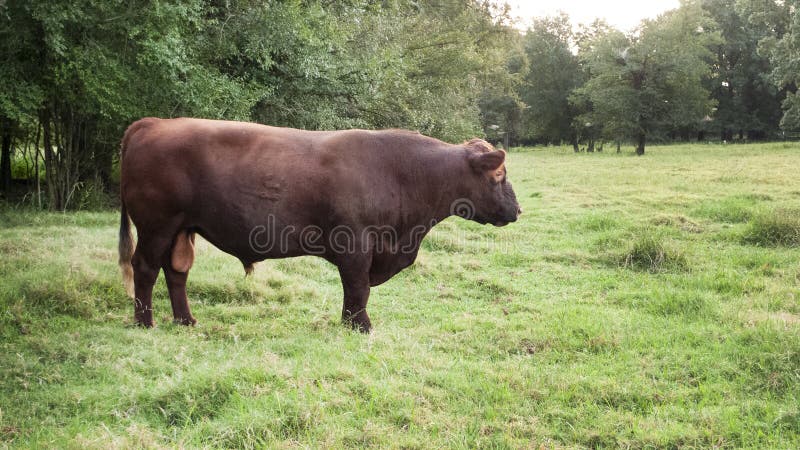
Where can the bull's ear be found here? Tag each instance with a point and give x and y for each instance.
(487, 162)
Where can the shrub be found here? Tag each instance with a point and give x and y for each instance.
(91, 196)
(779, 227)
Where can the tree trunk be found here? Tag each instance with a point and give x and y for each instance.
(65, 153)
(640, 146)
(619, 145)
(590, 146)
(52, 169)
(574, 140)
(5, 161)
(36, 168)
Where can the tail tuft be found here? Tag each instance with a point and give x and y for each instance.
(126, 252)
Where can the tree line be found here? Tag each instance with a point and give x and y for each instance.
(716, 69)
(75, 73)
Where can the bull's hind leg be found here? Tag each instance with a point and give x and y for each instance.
(176, 284)
(146, 262)
(176, 270)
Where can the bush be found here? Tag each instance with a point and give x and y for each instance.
(91, 196)
(779, 227)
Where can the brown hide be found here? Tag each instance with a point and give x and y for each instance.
(363, 200)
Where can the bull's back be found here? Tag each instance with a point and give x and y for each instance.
(225, 178)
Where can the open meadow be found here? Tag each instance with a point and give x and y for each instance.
(639, 302)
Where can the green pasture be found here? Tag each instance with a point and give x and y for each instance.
(640, 302)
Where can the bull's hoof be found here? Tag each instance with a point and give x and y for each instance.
(142, 324)
(186, 321)
(362, 325)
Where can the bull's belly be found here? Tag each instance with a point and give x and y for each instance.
(271, 235)
(254, 239)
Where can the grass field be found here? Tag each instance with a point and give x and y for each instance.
(640, 302)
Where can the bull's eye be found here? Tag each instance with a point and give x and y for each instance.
(499, 177)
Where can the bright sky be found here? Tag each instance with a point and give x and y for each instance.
(622, 14)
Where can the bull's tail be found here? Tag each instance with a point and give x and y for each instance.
(125, 235)
(126, 251)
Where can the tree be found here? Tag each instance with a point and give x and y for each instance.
(82, 70)
(428, 63)
(553, 73)
(20, 93)
(500, 104)
(645, 83)
(5, 157)
(297, 57)
(747, 100)
(77, 72)
(782, 47)
(588, 123)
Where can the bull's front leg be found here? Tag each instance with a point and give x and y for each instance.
(354, 271)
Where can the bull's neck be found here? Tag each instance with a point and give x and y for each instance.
(447, 175)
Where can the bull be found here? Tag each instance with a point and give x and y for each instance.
(361, 199)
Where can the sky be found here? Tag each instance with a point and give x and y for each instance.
(622, 14)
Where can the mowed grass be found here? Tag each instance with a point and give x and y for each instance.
(640, 302)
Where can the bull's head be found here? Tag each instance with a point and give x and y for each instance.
(492, 199)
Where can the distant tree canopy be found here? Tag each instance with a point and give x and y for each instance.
(709, 67)
(77, 72)
(553, 72)
(639, 85)
(779, 24)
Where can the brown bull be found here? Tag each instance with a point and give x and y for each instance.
(363, 200)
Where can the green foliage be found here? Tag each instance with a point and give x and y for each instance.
(702, 68)
(553, 73)
(781, 20)
(747, 101)
(432, 80)
(77, 72)
(500, 104)
(649, 82)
